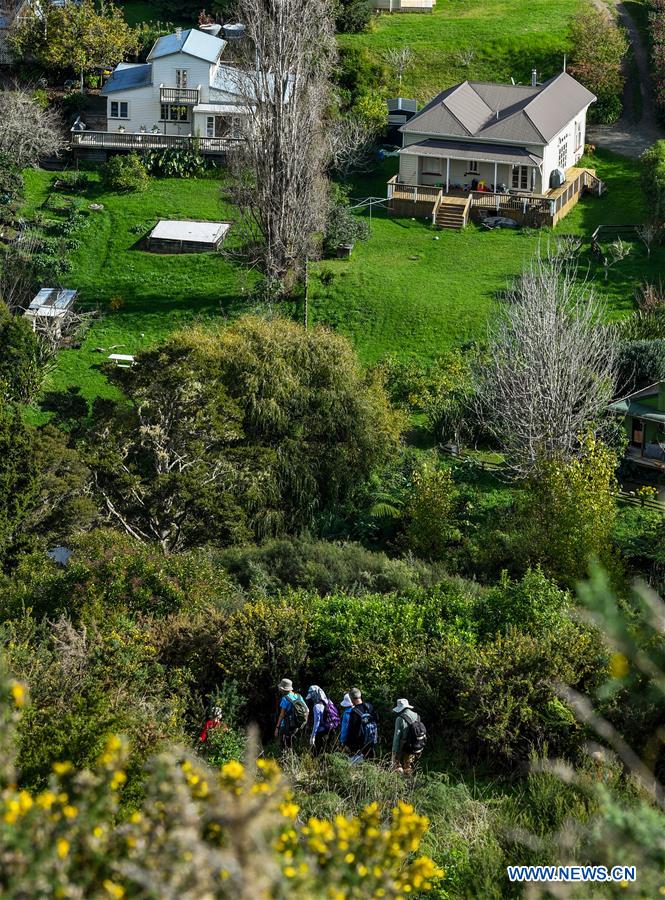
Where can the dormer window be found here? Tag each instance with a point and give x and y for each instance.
(181, 78)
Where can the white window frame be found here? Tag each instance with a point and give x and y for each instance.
(181, 77)
(119, 104)
(169, 116)
(429, 163)
(563, 155)
(519, 178)
(578, 136)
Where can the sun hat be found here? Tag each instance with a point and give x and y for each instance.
(317, 694)
(402, 705)
(346, 701)
(285, 685)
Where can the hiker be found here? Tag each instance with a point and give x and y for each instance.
(409, 739)
(325, 719)
(293, 714)
(214, 721)
(362, 734)
(347, 706)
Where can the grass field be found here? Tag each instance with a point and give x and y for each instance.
(476, 39)
(406, 293)
(158, 293)
(409, 290)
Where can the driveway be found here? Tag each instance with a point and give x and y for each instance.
(630, 136)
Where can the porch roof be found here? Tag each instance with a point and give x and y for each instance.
(491, 153)
(221, 109)
(638, 410)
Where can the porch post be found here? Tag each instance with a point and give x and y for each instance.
(495, 176)
(447, 174)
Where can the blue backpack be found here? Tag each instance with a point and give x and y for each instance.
(369, 729)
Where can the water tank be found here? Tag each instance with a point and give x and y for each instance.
(557, 178)
(234, 32)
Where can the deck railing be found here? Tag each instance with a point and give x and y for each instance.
(418, 193)
(186, 96)
(116, 140)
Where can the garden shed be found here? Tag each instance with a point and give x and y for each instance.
(51, 309)
(169, 236)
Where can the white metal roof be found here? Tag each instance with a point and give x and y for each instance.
(200, 232)
(221, 109)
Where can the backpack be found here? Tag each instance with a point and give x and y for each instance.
(297, 714)
(331, 717)
(369, 730)
(416, 736)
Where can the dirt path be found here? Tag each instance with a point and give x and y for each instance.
(630, 136)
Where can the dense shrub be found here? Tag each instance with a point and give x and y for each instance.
(126, 174)
(641, 363)
(353, 16)
(176, 162)
(343, 226)
(599, 46)
(653, 178)
(21, 364)
(324, 567)
(657, 29)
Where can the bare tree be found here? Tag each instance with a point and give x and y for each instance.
(27, 132)
(616, 252)
(550, 365)
(351, 142)
(648, 234)
(17, 278)
(280, 185)
(400, 59)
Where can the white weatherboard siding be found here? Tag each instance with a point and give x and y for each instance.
(198, 73)
(140, 106)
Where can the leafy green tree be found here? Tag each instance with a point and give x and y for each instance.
(599, 46)
(353, 16)
(21, 369)
(75, 37)
(18, 474)
(568, 512)
(126, 174)
(430, 512)
(255, 429)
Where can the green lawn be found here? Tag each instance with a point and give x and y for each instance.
(406, 293)
(158, 293)
(476, 39)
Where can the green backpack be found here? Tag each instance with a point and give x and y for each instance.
(297, 714)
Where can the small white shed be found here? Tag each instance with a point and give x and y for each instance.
(170, 236)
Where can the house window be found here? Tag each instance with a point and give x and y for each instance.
(578, 136)
(520, 178)
(563, 154)
(181, 78)
(119, 109)
(172, 112)
(431, 166)
(473, 167)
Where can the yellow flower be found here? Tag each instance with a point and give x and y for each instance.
(98, 831)
(619, 665)
(349, 858)
(70, 812)
(25, 801)
(119, 778)
(135, 818)
(115, 890)
(290, 872)
(233, 770)
(62, 848)
(61, 768)
(46, 799)
(18, 693)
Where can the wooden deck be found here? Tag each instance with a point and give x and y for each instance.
(424, 201)
(116, 140)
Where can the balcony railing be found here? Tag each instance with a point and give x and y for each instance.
(185, 96)
(117, 140)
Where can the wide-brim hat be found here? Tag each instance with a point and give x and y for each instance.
(346, 701)
(285, 685)
(402, 705)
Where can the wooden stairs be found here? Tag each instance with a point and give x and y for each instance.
(452, 212)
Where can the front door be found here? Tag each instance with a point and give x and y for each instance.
(637, 434)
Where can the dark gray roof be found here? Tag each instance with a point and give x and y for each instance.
(481, 152)
(191, 41)
(128, 76)
(525, 114)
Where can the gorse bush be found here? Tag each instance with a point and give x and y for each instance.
(233, 832)
(126, 174)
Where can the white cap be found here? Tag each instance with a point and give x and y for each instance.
(346, 701)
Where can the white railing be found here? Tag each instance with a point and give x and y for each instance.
(117, 140)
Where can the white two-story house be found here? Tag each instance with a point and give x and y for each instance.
(183, 89)
(482, 137)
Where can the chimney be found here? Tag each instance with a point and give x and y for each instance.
(178, 32)
(534, 78)
(497, 115)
